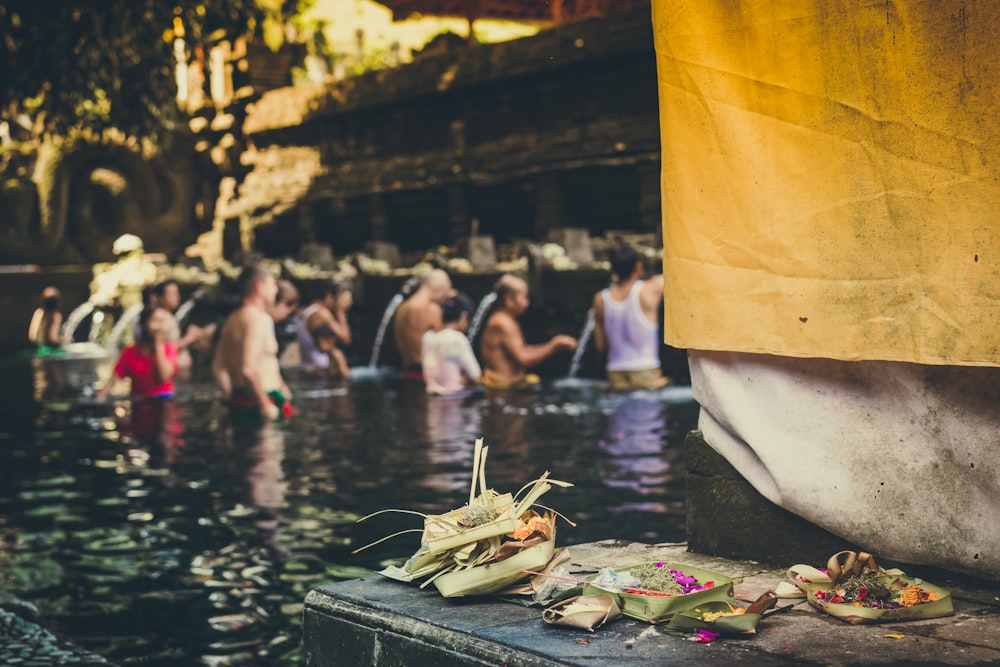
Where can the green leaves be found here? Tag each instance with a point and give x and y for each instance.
(98, 64)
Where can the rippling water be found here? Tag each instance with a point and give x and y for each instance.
(155, 534)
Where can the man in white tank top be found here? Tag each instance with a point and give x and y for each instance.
(626, 324)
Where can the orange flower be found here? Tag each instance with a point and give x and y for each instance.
(532, 525)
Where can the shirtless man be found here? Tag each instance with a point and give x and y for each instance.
(417, 315)
(245, 364)
(505, 354)
(626, 324)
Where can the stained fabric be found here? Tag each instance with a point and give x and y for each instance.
(830, 177)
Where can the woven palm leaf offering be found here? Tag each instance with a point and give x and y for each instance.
(654, 592)
(855, 589)
(485, 545)
(710, 620)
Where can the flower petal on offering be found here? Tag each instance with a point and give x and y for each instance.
(859, 591)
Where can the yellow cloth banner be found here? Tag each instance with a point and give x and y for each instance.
(830, 177)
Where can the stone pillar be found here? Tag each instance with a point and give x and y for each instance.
(650, 200)
(379, 219)
(549, 208)
(459, 217)
(306, 223)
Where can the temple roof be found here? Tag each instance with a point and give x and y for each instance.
(525, 11)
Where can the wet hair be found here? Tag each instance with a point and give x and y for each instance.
(146, 314)
(251, 276)
(287, 292)
(507, 286)
(51, 299)
(332, 288)
(453, 309)
(161, 288)
(322, 332)
(623, 261)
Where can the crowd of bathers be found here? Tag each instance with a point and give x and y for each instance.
(430, 330)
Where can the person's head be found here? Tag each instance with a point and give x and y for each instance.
(456, 311)
(337, 296)
(51, 299)
(286, 301)
(167, 295)
(624, 262)
(152, 321)
(257, 283)
(438, 285)
(512, 295)
(325, 339)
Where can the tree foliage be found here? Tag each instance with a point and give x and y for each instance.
(99, 64)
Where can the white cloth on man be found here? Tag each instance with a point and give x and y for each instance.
(310, 355)
(899, 458)
(447, 358)
(633, 341)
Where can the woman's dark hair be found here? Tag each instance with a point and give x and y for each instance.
(623, 261)
(51, 299)
(455, 306)
(146, 314)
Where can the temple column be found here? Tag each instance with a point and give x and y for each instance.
(549, 207)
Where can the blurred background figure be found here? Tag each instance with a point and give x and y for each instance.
(150, 364)
(283, 311)
(506, 357)
(326, 344)
(46, 321)
(418, 314)
(626, 323)
(329, 310)
(449, 364)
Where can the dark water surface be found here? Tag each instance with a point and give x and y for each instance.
(154, 534)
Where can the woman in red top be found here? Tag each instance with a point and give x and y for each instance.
(151, 363)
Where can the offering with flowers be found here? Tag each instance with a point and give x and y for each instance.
(654, 592)
(709, 620)
(485, 545)
(855, 589)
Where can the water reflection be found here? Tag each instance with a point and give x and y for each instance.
(153, 532)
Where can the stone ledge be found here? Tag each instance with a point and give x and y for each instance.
(379, 622)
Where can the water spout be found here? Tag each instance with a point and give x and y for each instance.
(121, 326)
(75, 318)
(481, 309)
(185, 308)
(184, 311)
(95, 326)
(588, 329)
(383, 325)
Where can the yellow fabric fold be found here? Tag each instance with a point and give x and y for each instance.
(830, 177)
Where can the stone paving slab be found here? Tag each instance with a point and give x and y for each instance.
(376, 621)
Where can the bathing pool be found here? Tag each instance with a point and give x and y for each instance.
(154, 534)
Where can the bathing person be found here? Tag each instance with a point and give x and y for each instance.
(326, 342)
(449, 364)
(417, 315)
(286, 302)
(505, 354)
(46, 321)
(626, 324)
(151, 362)
(167, 295)
(329, 310)
(245, 364)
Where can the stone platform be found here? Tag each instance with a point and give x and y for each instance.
(376, 621)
